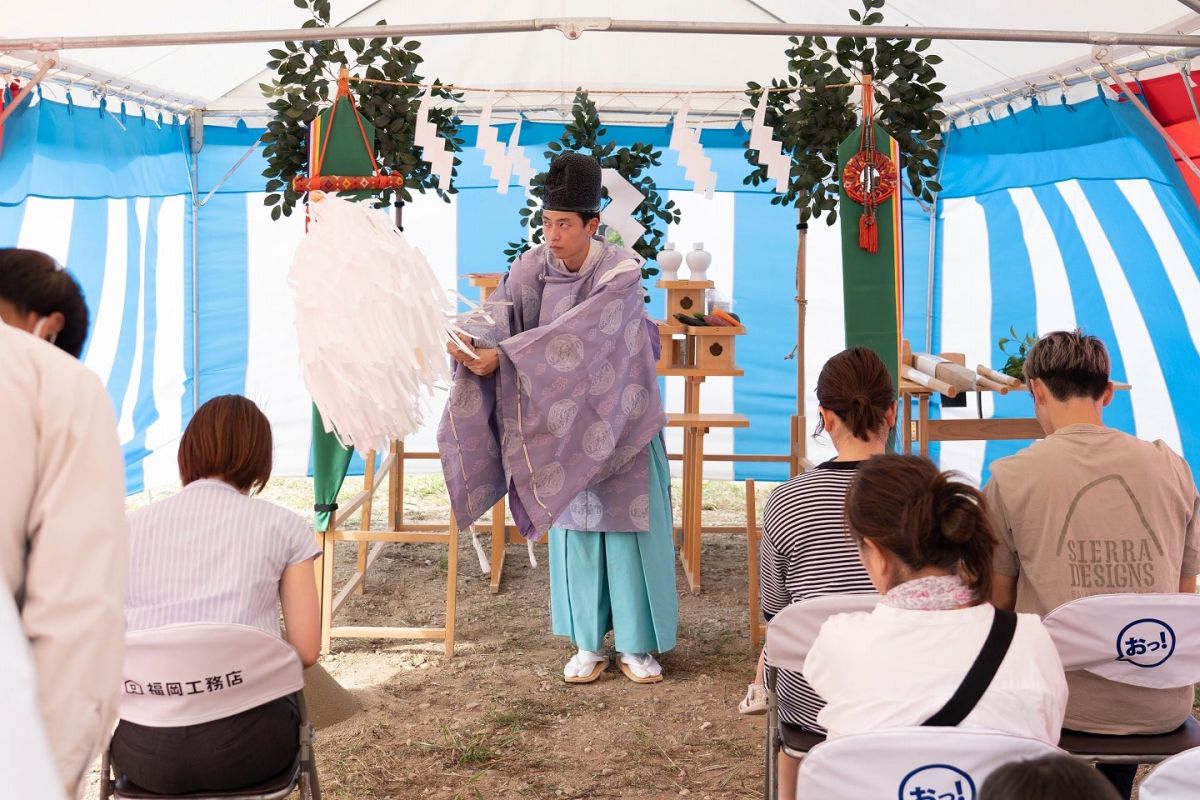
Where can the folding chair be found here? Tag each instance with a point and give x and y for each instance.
(26, 764)
(929, 763)
(180, 675)
(790, 636)
(1148, 640)
(1177, 778)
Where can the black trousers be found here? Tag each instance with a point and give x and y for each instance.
(231, 753)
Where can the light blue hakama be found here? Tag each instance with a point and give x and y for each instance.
(619, 581)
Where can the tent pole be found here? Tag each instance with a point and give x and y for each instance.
(929, 281)
(1133, 98)
(197, 142)
(1194, 5)
(574, 27)
(1185, 73)
(799, 423)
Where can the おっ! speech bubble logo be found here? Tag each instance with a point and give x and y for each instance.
(937, 782)
(1145, 642)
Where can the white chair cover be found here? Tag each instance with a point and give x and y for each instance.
(1150, 640)
(916, 763)
(792, 631)
(180, 675)
(1177, 778)
(27, 767)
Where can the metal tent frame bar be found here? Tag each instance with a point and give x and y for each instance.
(574, 27)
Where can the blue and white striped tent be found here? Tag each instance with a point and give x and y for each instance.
(1051, 218)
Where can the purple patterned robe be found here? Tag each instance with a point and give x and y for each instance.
(565, 421)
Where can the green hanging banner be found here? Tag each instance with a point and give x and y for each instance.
(872, 282)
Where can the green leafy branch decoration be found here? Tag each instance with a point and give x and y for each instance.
(812, 122)
(306, 81)
(584, 134)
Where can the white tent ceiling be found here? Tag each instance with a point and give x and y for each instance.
(226, 77)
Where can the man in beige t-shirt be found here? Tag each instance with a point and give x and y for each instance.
(63, 541)
(1091, 510)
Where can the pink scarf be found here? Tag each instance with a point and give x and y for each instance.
(934, 593)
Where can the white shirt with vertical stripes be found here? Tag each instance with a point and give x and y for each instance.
(806, 552)
(211, 554)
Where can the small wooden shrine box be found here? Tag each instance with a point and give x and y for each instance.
(713, 347)
(684, 297)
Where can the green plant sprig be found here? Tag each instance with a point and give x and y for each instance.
(1014, 367)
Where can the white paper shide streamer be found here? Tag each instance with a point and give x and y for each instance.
(685, 142)
(624, 198)
(372, 323)
(770, 152)
(495, 154)
(522, 167)
(434, 149)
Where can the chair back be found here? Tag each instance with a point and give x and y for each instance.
(1150, 640)
(27, 768)
(915, 763)
(1177, 778)
(792, 631)
(188, 674)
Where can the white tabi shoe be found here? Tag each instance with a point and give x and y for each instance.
(585, 667)
(640, 667)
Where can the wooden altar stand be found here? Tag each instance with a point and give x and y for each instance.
(370, 545)
(695, 353)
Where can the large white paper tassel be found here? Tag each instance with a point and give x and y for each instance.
(770, 152)
(372, 323)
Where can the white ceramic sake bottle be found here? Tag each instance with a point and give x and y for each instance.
(669, 259)
(698, 261)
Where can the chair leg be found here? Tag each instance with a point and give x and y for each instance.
(771, 790)
(106, 781)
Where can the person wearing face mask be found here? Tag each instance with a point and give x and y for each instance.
(40, 297)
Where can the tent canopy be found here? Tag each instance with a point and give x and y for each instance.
(226, 77)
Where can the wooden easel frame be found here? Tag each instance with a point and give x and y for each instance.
(370, 545)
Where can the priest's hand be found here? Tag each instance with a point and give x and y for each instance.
(457, 353)
(486, 364)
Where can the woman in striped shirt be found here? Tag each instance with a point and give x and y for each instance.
(214, 554)
(806, 550)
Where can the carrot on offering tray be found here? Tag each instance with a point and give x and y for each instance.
(728, 318)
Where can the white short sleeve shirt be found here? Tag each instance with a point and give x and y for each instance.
(894, 667)
(211, 554)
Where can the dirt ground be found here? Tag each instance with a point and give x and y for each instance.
(497, 720)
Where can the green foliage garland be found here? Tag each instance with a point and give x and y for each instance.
(812, 123)
(583, 134)
(306, 81)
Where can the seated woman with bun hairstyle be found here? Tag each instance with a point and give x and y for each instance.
(926, 542)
